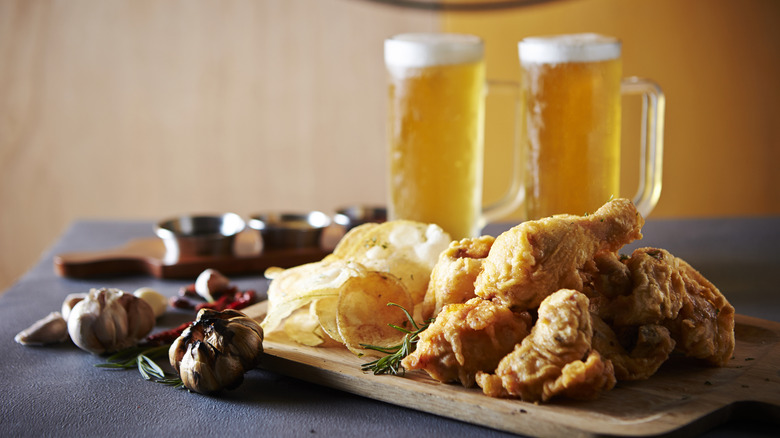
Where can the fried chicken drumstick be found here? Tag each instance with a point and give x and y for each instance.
(536, 258)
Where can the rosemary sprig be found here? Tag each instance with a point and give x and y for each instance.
(391, 363)
(143, 358)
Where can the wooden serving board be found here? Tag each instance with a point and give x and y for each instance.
(683, 398)
(146, 256)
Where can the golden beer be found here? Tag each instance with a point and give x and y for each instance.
(435, 129)
(572, 96)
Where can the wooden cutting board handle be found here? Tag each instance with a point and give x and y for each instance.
(146, 257)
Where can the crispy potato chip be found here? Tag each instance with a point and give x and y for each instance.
(296, 287)
(304, 328)
(350, 242)
(406, 249)
(301, 327)
(325, 310)
(273, 272)
(363, 315)
(346, 293)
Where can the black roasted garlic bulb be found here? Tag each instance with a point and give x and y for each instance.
(216, 350)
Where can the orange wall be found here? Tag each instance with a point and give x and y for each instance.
(718, 62)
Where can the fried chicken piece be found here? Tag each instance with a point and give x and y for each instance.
(651, 347)
(704, 328)
(453, 276)
(467, 338)
(665, 290)
(536, 258)
(655, 288)
(556, 358)
(605, 277)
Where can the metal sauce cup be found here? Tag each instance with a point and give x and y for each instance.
(199, 235)
(290, 230)
(350, 217)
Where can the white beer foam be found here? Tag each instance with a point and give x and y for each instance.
(582, 47)
(429, 49)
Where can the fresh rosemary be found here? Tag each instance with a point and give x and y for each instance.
(143, 358)
(391, 363)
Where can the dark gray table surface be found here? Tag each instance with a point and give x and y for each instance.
(57, 391)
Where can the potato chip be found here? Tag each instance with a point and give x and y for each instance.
(273, 272)
(303, 327)
(406, 249)
(350, 242)
(343, 298)
(363, 315)
(324, 310)
(296, 287)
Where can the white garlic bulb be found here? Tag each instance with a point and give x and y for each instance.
(109, 320)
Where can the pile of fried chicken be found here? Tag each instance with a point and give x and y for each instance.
(550, 308)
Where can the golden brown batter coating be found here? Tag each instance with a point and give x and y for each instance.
(536, 258)
(666, 290)
(652, 345)
(704, 328)
(453, 276)
(467, 338)
(556, 358)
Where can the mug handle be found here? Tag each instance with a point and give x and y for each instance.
(514, 196)
(652, 145)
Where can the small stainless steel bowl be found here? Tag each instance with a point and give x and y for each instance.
(290, 230)
(199, 235)
(350, 217)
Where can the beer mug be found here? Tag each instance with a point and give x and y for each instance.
(436, 132)
(572, 86)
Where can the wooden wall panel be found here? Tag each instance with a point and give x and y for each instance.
(145, 109)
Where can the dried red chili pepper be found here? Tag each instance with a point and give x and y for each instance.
(167, 336)
(180, 303)
(220, 304)
(243, 299)
(188, 291)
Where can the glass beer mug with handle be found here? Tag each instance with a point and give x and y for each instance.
(436, 133)
(572, 87)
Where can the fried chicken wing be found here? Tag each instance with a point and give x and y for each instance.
(453, 276)
(665, 290)
(556, 358)
(467, 338)
(704, 328)
(536, 258)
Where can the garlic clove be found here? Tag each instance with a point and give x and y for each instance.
(210, 283)
(50, 330)
(140, 316)
(69, 302)
(198, 373)
(156, 300)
